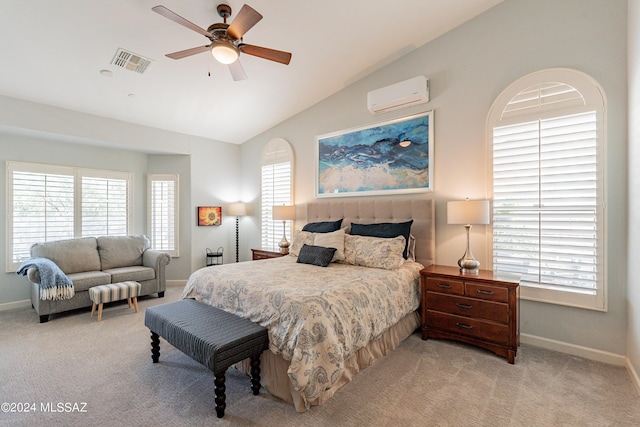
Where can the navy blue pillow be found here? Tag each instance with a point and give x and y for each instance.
(385, 229)
(323, 227)
(316, 255)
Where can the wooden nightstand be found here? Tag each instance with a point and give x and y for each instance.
(479, 309)
(264, 254)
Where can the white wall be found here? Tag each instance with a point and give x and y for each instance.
(633, 287)
(468, 68)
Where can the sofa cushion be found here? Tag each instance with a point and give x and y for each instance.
(122, 251)
(126, 274)
(72, 256)
(88, 279)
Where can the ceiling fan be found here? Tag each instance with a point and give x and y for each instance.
(226, 40)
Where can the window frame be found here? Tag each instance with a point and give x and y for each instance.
(277, 151)
(175, 178)
(77, 174)
(594, 100)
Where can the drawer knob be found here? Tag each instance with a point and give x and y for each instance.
(483, 292)
(444, 286)
(463, 326)
(464, 306)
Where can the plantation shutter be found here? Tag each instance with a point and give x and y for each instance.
(104, 206)
(163, 193)
(43, 210)
(546, 203)
(276, 190)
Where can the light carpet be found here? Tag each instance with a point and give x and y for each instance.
(75, 371)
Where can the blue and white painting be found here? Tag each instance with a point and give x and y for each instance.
(386, 158)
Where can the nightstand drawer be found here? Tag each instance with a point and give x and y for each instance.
(488, 292)
(447, 286)
(470, 307)
(480, 329)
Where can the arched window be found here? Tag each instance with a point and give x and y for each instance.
(276, 189)
(547, 156)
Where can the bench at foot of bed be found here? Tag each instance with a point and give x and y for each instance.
(210, 336)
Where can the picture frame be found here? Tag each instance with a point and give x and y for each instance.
(393, 157)
(209, 215)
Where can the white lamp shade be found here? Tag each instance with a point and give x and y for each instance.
(224, 53)
(283, 213)
(468, 212)
(237, 209)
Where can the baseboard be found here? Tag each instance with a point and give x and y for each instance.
(176, 283)
(15, 305)
(634, 375)
(575, 350)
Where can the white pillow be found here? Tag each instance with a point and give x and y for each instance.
(300, 239)
(376, 252)
(334, 239)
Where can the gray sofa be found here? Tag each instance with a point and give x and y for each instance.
(91, 261)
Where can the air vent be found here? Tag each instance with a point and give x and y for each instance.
(131, 61)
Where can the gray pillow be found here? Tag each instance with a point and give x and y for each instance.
(316, 255)
(385, 229)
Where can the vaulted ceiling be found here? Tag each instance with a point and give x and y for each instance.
(60, 53)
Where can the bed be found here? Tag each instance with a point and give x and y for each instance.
(326, 324)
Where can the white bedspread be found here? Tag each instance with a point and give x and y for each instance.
(316, 317)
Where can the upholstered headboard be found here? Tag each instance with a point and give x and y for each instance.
(422, 211)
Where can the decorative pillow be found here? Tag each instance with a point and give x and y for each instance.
(323, 227)
(376, 252)
(411, 248)
(301, 238)
(335, 239)
(316, 255)
(385, 229)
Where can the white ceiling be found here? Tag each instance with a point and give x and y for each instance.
(52, 53)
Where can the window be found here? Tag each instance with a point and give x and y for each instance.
(548, 201)
(276, 189)
(163, 213)
(48, 203)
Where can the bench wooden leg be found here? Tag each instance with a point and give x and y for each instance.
(155, 347)
(129, 302)
(221, 397)
(100, 312)
(255, 374)
(135, 303)
(93, 309)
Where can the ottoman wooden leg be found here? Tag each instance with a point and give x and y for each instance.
(135, 303)
(255, 374)
(221, 397)
(155, 347)
(100, 312)
(93, 309)
(129, 302)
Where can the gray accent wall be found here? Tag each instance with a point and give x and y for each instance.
(468, 68)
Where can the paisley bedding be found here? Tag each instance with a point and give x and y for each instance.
(316, 317)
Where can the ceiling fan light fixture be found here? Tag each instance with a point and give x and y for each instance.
(225, 53)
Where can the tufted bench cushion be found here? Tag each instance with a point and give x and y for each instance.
(210, 336)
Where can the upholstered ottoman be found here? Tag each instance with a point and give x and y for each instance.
(114, 292)
(210, 336)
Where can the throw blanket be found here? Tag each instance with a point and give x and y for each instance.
(54, 284)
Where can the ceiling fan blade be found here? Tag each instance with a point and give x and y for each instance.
(180, 20)
(237, 71)
(188, 52)
(246, 18)
(266, 53)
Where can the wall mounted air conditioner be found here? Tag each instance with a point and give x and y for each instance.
(399, 95)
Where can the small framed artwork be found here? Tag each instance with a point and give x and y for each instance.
(394, 157)
(209, 215)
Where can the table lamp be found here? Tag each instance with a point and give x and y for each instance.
(468, 212)
(284, 213)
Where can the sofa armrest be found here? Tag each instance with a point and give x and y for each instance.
(33, 275)
(157, 260)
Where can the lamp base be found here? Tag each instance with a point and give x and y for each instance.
(284, 245)
(469, 265)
